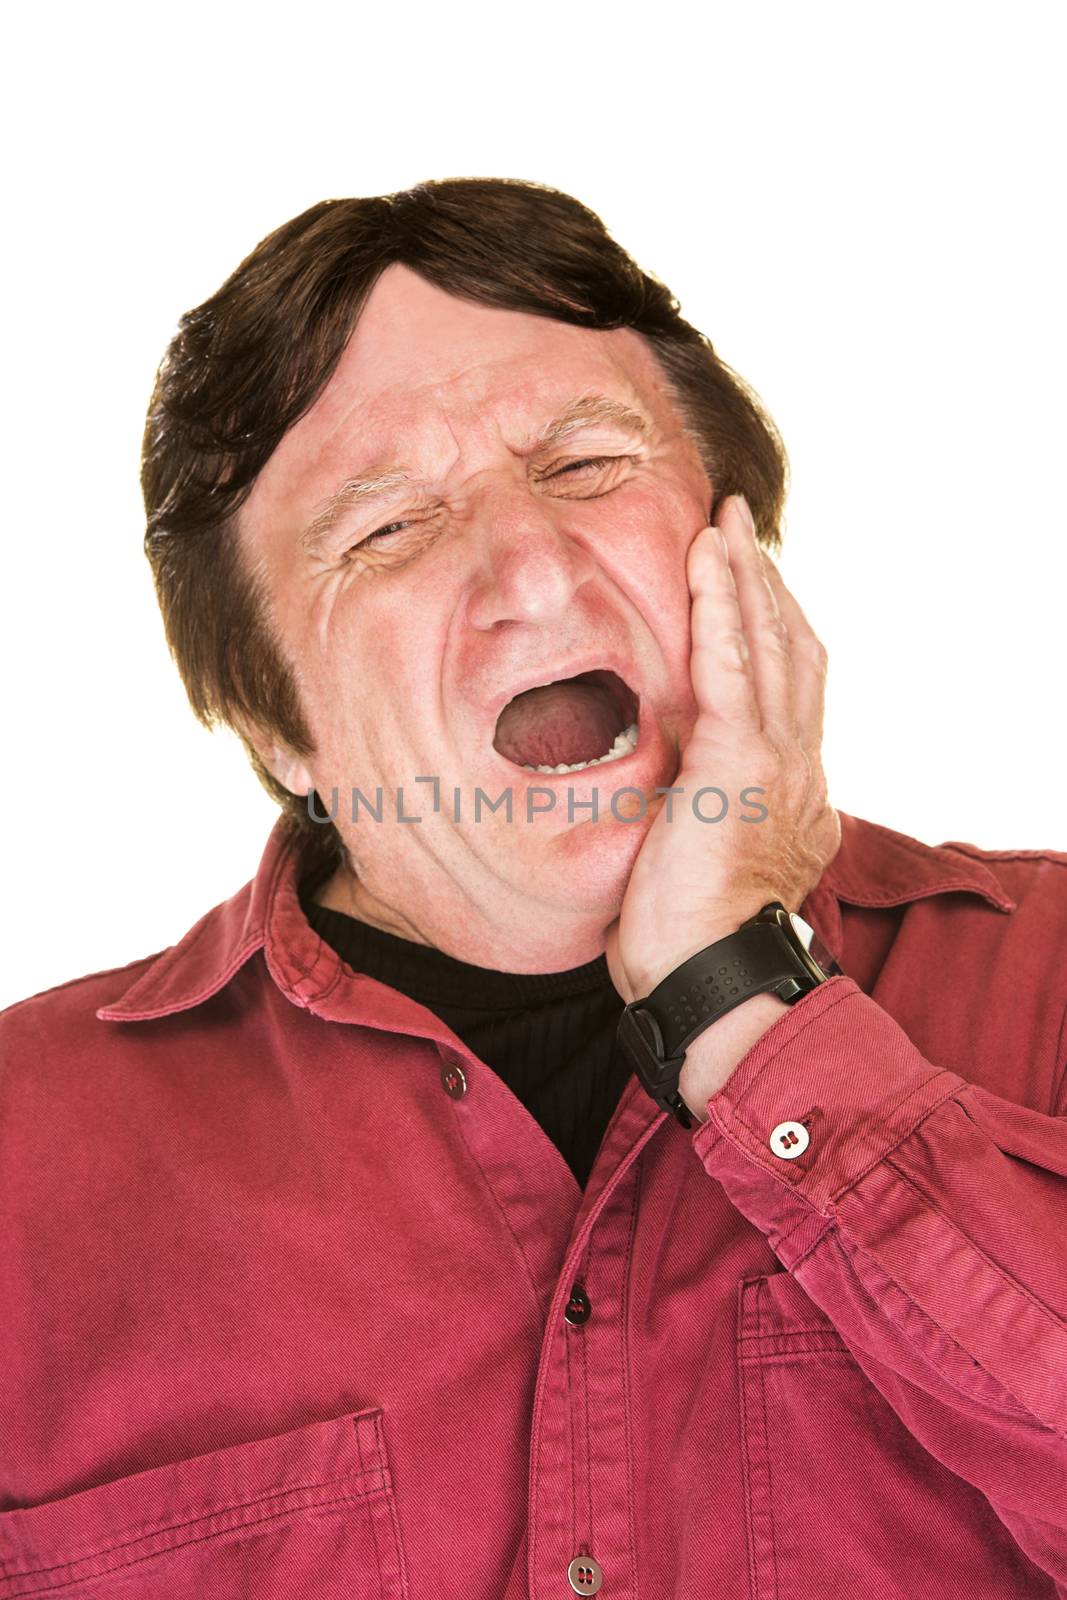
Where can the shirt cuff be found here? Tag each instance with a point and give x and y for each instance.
(849, 1080)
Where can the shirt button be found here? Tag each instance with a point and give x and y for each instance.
(454, 1080)
(578, 1307)
(584, 1575)
(789, 1140)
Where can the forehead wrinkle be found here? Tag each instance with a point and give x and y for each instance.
(584, 411)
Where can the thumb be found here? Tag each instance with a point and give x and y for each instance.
(615, 968)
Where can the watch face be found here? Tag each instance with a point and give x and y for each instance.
(812, 944)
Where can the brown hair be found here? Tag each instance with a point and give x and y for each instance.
(245, 365)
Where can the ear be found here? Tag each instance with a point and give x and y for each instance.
(283, 763)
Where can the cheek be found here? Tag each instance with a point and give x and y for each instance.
(650, 534)
(362, 697)
(667, 511)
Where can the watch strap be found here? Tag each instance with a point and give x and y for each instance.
(754, 960)
(767, 953)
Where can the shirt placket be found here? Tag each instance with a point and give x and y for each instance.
(581, 1528)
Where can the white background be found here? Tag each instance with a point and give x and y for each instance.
(861, 206)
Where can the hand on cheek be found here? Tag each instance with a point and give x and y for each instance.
(758, 674)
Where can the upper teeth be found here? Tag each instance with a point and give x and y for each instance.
(626, 741)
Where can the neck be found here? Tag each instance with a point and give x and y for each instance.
(519, 936)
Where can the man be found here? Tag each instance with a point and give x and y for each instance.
(362, 1243)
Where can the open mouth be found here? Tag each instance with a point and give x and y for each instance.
(570, 724)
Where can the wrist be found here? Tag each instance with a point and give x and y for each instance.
(686, 1036)
(647, 975)
(714, 1055)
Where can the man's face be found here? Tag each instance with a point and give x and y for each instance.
(505, 564)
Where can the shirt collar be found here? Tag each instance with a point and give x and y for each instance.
(266, 915)
(874, 866)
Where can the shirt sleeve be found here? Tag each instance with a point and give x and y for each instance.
(927, 1218)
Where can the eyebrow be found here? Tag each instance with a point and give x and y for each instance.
(584, 411)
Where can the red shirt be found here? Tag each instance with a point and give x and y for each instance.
(299, 1300)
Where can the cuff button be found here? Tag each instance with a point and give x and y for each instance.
(789, 1140)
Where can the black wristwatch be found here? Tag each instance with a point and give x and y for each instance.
(774, 950)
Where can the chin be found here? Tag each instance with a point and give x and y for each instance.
(586, 866)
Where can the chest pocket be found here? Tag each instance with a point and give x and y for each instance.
(840, 1498)
(310, 1512)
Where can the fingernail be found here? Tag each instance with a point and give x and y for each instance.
(742, 506)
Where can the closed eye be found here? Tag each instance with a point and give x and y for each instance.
(592, 461)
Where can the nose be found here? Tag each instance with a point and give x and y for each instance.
(530, 566)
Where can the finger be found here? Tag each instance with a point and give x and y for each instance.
(719, 657)
(765, 629)
(809, 660)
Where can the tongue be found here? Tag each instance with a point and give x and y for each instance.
(558, 723)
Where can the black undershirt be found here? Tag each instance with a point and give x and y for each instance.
(549, 1036)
